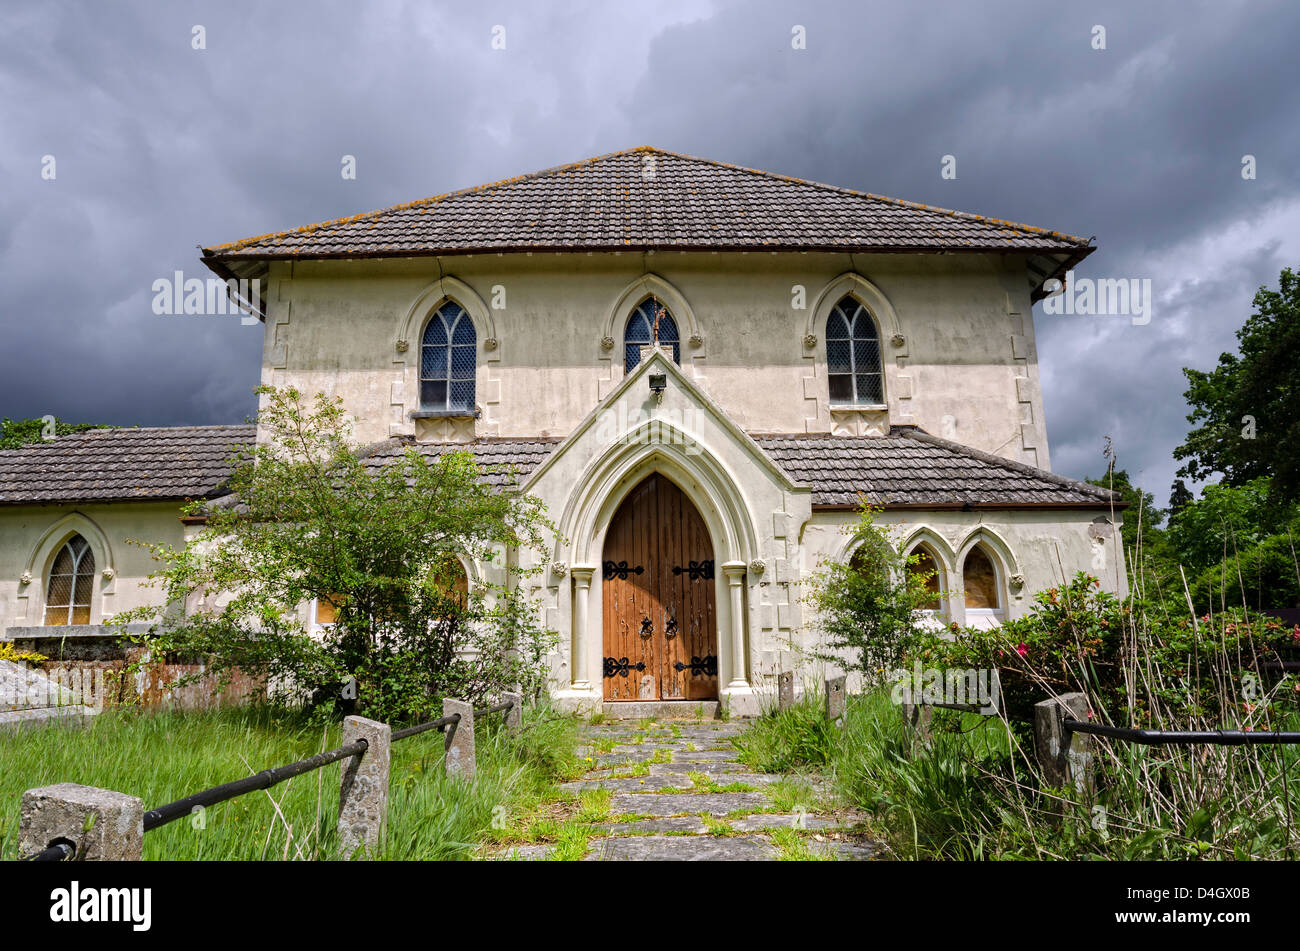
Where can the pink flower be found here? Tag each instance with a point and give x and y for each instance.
(1023, 649)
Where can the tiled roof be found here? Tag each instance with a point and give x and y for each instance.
(505, 461)
(648, 198)
(111, 465)
(909, 467)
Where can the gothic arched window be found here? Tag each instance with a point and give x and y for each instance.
(853, 366)
(448, 360)
(640, 332)
(72, 581)
(925, 568)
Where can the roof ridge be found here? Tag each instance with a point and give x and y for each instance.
(230, 247)
(970, 216)
(402, 206)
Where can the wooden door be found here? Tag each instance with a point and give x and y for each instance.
(660, 620)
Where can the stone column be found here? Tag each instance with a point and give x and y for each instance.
(836, 695)
(735, 572)
(785, 690)
(363, 786)
(581, 599)
(515, 715)
(1064, 757)
(102, 825)
(459, 758)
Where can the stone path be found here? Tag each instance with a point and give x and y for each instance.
(675, 790)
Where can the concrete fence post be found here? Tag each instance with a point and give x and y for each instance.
(102, 825)
(515, 715)
(363, 786)
(918, 717)
(1065, 758)
(785, 690)
(459, 759)
(835, 697)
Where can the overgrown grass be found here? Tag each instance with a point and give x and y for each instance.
(973, 791)
(164, 756)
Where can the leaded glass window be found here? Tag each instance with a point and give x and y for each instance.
(72, 580)
(448, 359)
(640, 332)
(853, 366)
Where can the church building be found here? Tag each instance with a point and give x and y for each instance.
(702, 370)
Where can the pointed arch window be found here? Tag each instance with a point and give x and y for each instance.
(448, 360)
(640, 332)
(72, 581)
(982, 589)
(853, 368)
(925, 567)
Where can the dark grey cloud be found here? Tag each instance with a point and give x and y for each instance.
(161, 147)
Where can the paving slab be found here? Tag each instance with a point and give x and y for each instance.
(761, 822)
(708, 768)
(692, 824)
(676, 848)
(634, 784)
(671, 804)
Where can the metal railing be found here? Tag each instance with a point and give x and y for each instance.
(1181, 737)
(63, 849)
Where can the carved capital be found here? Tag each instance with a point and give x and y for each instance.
(810, 340)
(109, 573)
(403, 346)
(25, 577)
(697, 340)
(559, 569)
(491, 343)
(898, 340)
(757, 566)
(607, 343)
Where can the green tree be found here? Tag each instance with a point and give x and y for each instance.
(1225, 521)
(1246, 410)
(16, 433)
(310, 517)
(870, 607)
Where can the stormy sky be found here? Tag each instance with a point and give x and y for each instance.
(160, 147)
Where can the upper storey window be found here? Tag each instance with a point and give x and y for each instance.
(640, 332)
(448, 356)
(72, 579)
(853, 365)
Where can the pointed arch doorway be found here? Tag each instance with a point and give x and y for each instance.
(660, 631)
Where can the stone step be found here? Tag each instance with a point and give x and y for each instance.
(671, 804)
(661, 709)
(708, 768)
(677, 848)
(632, 784)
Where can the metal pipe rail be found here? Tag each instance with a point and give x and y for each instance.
(263, 780)
(56, 852)
(172, 811)
(1179, 737)
(440, 724)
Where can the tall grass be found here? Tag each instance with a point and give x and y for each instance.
(165, 756)
(974, 790)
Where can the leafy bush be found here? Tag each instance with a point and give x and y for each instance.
(310, 516)
(1135, 664)
(869, 608)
